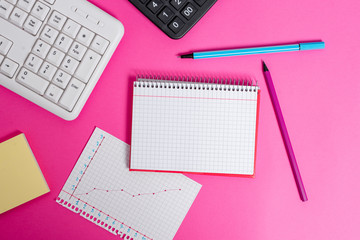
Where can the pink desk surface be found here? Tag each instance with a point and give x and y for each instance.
(319, 92)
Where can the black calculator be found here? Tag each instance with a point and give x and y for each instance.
(174, 17)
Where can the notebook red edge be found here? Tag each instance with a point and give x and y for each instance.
(206, 173)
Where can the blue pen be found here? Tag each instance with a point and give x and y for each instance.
(256, 50)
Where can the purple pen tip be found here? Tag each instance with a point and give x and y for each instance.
(265, 69)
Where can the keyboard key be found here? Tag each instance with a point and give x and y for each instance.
(154, 5)
(177, 3)
(32, 25)
(55, 56)
(200, 2)
(63, 42)
(99, 44)
(77, 51)
(40, 11)
(8, 67)
(57, 20)
(85, 36)
(5, 45)
(33, 63)
(26, 5)
(41, 48)
(5, 9)
(189, 11)
(71, 28)
(61, 79)
(176, 25)
(32, 81)
(69, 65)
(47, 71)
(87, 66)
(50, 1)
(49, 35)
(53, 93)
(13, 2)
(18, 17)
(165, 15)
(1, 58)
(71, 94)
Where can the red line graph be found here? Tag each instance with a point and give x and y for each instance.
(107, 215)
(86, 168)
(126, 192)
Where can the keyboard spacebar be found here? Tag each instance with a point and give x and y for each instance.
(71, 94)
(32, 81)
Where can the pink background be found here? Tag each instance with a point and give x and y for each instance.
(318, 92)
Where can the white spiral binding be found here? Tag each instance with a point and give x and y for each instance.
(196, 83)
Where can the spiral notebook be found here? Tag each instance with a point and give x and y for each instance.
(206, 126)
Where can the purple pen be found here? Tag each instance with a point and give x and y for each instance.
(284, 133)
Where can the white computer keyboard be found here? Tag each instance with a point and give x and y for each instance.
(52, 52)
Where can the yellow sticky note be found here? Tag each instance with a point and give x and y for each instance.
(21, 179)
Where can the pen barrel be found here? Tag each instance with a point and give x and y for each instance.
(246, 51)
(285, 136)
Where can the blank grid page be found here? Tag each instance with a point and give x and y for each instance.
(189, 127)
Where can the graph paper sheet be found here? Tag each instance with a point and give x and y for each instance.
(134, 205)
(194, 127)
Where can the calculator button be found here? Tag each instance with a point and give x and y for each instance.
(71, 94)
(32, 81)
(189, 11)
(200, 2)
(71, 28)
(57, 20)
(154, 5)
(85, 36)
(40, 11)
(165, 15)
(41, 48)
(32, 25)
(4, 45)
(18, 17)
(176, 25)
(177, 3)
(8, 67)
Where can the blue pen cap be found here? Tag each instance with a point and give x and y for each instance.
(312, 45)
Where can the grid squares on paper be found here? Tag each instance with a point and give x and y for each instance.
(152, 204)
(193, 129)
